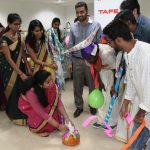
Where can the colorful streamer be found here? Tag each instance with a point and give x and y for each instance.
(117, 83)
(134, 136)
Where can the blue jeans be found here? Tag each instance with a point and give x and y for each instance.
(141, 140)
(148, 145)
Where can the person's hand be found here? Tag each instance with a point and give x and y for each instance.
(112, 91)
(62, 128)
(102, 86)
(139, 117)
(53, 66)
(67, 122)
(23, 76)
(30, 72)
(72, 124)
(124, 108)
(70, 67)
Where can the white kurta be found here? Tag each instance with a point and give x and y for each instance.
(138, 76)
(121, 131)
(138, 86)
(108, 56)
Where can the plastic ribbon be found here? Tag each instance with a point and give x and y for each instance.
(55, 43)
(88, 120)
(128, 118)
(108, 129)
(117, 83)
(84, 43)
(134, 136)
(67, 38)
(72, 131)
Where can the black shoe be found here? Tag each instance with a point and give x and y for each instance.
(93, 111)
(77, 112)
(97, 125)
(114, 126)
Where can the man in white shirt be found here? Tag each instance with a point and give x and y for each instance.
(138, 76)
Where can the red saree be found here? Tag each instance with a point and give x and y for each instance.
(37, 119)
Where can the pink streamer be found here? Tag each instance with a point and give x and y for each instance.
(128, 118)
(67, 39)
(88, 120)
(66, 135)
(108, 131)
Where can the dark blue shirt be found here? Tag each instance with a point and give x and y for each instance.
(142, 33)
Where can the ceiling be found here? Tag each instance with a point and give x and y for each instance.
(59, 2)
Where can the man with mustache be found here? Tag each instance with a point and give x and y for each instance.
(137, 56)
(81, 70)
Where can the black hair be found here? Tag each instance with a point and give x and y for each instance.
(55, 20)
(58, 30)
(117, 28)
(75, 20)
(126, 15)
(1, 26)
(30, 36)
(11, 18)
(130, 5)
(81, 4)
(35, 82)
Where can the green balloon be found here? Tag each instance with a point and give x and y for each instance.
(96, 99)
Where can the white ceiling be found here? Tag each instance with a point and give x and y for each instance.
(59, 2)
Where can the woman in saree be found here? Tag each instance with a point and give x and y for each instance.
(12, 68)
(40, 101)
(55, 40)
(38, 50)
(2, 29)
(2, 95)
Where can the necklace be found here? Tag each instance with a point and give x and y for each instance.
(13, 36)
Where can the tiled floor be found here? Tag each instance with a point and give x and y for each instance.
(13, 137)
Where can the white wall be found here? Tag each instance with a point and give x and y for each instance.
(45, 11)
(29, 10)
(145, 7)
(70, 11)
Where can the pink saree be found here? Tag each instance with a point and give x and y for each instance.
(38, 115)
